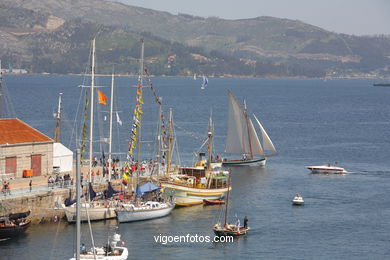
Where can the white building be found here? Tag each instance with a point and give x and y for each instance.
(62, 158)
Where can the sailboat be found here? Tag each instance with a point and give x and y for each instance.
(204, 181)
(229, 229)
(242, 137)
(99, 209)
(205, 82)
(136, 210)
(109, 252)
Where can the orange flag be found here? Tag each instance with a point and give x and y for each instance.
(102, 98)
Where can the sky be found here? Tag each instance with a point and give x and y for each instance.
(358, 17)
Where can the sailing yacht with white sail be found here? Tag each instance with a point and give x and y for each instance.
(136, 210)
(242, 137)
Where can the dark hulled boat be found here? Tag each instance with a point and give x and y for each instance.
(12, 225)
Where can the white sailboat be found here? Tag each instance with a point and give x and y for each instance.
(205, 82)
(135, 210)
(103, 209)
(109, 252)
(242, 137)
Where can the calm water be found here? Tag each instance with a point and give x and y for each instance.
(310, 122)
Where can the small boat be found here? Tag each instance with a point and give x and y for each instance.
(213, 202)
(228, 229)
(298, 200)
(12, 225)
(111, 251)
(381, 84)
(326, 169)
(242, 137)
(205, 82)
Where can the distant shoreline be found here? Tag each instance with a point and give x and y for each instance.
(185, 76)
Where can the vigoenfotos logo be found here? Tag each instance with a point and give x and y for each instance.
(169, 239)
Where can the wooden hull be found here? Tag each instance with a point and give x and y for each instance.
(13, 231)
(230, 231)
(213, 202)
(139, 215)
(186, 196)
(254, 163)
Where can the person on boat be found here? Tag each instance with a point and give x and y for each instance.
(244, 157)
(245, 222)
(83, 249)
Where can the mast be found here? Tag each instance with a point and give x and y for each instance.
(247, 129)
(78, 205)
(227, 200)
(91, 114)
(2, 97)
(58, 121)
(169, 142)
(140, 81)
(110, 134)
(210, 144)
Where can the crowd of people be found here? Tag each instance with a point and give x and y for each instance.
(60, 181)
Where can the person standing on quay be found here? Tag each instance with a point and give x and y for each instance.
(30, 184)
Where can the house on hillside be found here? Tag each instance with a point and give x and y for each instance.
(23, 148)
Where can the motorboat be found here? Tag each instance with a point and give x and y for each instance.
(326, 169)
(298, 200)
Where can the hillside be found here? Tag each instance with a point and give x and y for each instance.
(255, 47)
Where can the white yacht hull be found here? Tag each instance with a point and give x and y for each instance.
(186, 196)
(325, 169)
(143, 214)
(95, 214)
(123, 256)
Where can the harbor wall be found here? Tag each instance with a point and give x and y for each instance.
(44, 206)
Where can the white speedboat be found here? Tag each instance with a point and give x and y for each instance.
(145, 211)
(326, 169)
(298, 200)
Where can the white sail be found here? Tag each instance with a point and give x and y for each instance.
(267, 143)
(254, 140)
(240, 139)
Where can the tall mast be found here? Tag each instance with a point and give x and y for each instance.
(2, 97)
(140, 81)
(247, 128)
(58, 121)
(78, 205)
(110, 134)
(227, 200)
(169, 142)
(210, 144)
(91, 114)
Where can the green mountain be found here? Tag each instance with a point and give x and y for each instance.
(54, 35)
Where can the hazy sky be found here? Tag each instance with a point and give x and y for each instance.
(344, 16)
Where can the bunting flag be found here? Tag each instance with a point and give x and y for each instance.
(125, 176)
(102, 98)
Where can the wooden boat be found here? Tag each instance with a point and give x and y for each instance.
(192, 185)
(242, 137)
(228, 229)
(213, 202)
(12, 225)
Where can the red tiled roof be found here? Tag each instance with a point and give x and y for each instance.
(14, 131)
